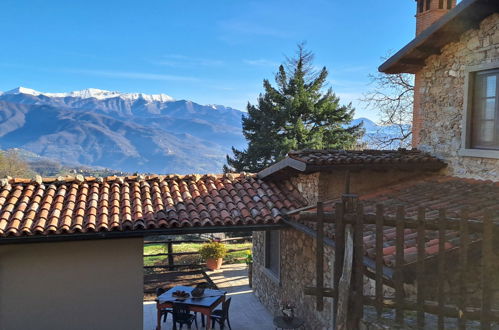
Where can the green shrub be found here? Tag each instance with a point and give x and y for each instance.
(213, 250)
(249, 258)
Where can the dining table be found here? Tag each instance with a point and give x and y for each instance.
(204, 304)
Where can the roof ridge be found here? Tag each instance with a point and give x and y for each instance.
(325, 151)
(79, 178)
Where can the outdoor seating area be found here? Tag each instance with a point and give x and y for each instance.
(227, 302)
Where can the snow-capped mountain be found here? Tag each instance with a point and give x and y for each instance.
(130, 132)
(95, 93)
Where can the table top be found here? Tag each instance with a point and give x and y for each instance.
(208, 299)
(281, 322)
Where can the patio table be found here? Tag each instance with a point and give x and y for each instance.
(204, 304)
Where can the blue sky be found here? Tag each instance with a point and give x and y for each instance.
(209, 52)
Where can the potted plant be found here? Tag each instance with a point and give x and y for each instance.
(249, 263)
(213, 252)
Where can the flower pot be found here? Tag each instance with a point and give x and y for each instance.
(214, 264)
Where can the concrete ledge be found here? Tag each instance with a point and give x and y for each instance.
(479, 153)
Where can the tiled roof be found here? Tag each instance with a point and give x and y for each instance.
(343, 157)
(81, 205)
(309, 161)
(432, 193)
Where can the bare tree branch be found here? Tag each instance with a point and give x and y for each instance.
(392, 96)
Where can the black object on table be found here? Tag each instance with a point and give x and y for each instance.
(282, 323)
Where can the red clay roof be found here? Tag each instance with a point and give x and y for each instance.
(309, 161)
(341, 157)
(432, 193)
(81, 205)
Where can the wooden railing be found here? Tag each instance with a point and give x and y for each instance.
(350, 267)
(170, 255)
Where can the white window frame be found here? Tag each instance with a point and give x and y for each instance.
(469, 88)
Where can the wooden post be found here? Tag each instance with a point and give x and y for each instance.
(319, 257)
(441, 268)
(420, 267)
(486, 270)
(171, 264)
(379, 259)
(338, 255)
(358, 269)
(399, 266)
(463, 267)
(344, 284)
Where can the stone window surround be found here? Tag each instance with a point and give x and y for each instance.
(468, 104)
(276, 278)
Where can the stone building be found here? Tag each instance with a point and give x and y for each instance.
(455, 62)
(455, 59)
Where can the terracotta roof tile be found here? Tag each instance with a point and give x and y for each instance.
(69, 205)
(343, 157)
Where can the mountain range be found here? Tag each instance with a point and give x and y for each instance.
(129, 132)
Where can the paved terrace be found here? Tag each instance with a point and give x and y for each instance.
(246, 312)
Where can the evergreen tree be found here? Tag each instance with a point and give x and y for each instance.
(299, 113)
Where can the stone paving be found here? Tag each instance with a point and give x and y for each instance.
(246, 312)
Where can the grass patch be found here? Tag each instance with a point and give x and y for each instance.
(231, 258)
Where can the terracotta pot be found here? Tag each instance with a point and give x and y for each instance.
(214, 264)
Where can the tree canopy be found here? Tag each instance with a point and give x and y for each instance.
(300, 112)
(12, 165)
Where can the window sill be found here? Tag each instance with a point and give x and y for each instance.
(271, 276)
(479, 153)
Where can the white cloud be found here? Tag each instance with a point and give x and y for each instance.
(261, 62)
(130, 75)
(250, 28)
(176, 60)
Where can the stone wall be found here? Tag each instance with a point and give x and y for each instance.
(442, 99)
(297, 272)
(325, 186)
(308, 186)
(332, 184)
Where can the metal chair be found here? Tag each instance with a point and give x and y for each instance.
(221, 315)
(164, 311)
(181, 314)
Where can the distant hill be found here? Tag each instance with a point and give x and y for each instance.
(125, 132)
(375, 133)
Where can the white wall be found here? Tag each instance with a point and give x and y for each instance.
(72, 285)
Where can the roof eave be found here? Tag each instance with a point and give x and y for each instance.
(412, 57)
(286, 163)
(138, 233)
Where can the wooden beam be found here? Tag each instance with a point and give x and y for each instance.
(391, 221)
(345, 280)
(368, 262)
(319, 257)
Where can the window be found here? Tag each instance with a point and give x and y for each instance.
(441, 4)
(272, 252)
(428, 4)
(480, 136)
(485, 112)
(449, 4)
